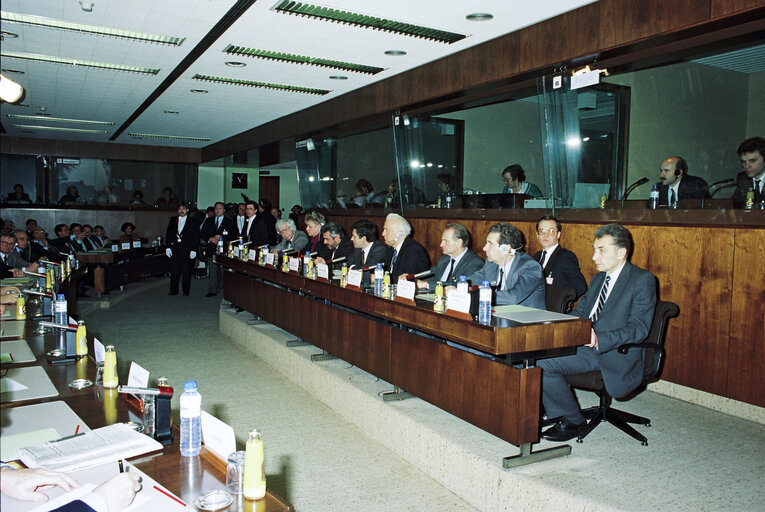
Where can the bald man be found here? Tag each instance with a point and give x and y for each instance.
(675, 183)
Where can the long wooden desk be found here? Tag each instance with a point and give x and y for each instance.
(405, 346)
(187, 477)
(112, 270)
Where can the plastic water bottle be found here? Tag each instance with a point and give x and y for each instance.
(60, 312)
(653, 201)
(191, 420)
(484, 303)
(379, 274)
(462, 285)
(220, 246)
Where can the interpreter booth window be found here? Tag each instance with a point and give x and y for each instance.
(315, 162)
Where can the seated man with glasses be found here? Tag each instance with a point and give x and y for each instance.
(291, 237)
(559, 266)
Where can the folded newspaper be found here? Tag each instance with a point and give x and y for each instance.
(118, 441)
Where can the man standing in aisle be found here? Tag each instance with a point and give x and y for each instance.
(752, 155)
(457, 260)
(559, 266)
(620, 303)
(217, 227)
(182, 242)
(240, 219)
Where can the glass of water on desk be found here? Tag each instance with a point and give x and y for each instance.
(235, 472)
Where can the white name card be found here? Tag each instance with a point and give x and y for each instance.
(125, 246)
(100, 350)
(253, 255)
(585, 79)
(354, 278)
(459, 302)
(294, 264)
(322, 270)
(270, 258)
(405, 289)
(115, 248)
(219, 437)
(136, 244)
(138, 376)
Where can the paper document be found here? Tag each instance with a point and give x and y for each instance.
(525, 315)
(27, 383)
(12, 329)
(98, 446)
(18, 350)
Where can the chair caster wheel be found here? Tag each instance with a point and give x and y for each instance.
(579, 440)
(644, 443)
(648, 424)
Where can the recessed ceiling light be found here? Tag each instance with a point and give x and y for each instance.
(19, 72)
(395, 53)
(261, 85)
(170, 137)
(235, 64)
(292, 58)
(171, 112)
(479, 16)
(199, 91)
(57, 128)
(59, 119)
(81, 63)
(9, 35)
(86, 6)
(22, 104)
(338, 77)
(43, 108)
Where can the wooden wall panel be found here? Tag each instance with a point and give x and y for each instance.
(623, 21)
(746, 355)
(725, 7)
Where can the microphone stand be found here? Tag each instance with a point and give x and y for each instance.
(714, 188)
(632, 187)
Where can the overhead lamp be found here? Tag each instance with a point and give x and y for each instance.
(395, 53)
(9, 35)
(13, 71)
(167, 137)
(76, 62)
(171, 112)
(235, 64)
(57, 128)
(59, 119)
(86, 6)
(479, 16)
(10, 91)
(199, 91)
(338, 77)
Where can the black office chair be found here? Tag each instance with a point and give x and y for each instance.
(593, 381)
(559, 299)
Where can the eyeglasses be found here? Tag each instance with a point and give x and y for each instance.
(549, 231)
(283, 230)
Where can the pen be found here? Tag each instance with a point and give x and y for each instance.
(170, 496)
(122, 466)
(76, 430)
(11, 356)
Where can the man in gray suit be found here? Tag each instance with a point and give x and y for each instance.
(518, 277)
(620, 303)
(457, 260)
(291, 237)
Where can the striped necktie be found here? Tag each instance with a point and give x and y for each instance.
(601, 300)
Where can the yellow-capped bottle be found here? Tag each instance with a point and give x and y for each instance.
(49, 278)
(21, 308)
(386, 286)
(111, 380)
(344, 276)
(603, 201)
(285, 264)
(749, 199)
(254, 485)
(81, 339)
(438, 302)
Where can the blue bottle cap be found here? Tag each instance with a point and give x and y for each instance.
(190, 384)
(60, 297)
(485, 283)
(463, 279)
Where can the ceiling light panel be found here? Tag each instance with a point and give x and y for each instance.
(290, 58)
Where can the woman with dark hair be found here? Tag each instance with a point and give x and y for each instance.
(129, 234)
(515, 182)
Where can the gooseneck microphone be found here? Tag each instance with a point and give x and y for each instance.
(641, 181)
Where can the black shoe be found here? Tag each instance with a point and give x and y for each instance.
(546, 422)
(564, 430)
(211, 294)
(173, 293)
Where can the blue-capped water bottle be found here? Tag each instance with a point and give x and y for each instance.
(191, 420)
(484, 303)
(462, 285)
(653, 201)
(379, 275)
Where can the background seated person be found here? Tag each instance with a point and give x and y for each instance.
(99, 236)
(128, 234)
(72, 196)
(18, 196)
(137, 199)
(7, 267)
(30, 224)
(41, 243)
(291, 237)
(368, 250)
(78, 238)
(337, 244)
(751, 152)
(620, 303)
(675, 183)
(518, 277)
(313, 223)
(457, 260)
(107, 197)
(63, 242)
(515, 182)
(407, 256)
(445, 188)
(87, 237)
(27, 251)
(167, 199)
(559, 266)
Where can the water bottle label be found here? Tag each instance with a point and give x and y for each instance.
(485, 295)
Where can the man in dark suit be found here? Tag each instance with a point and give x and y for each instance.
(7, 248)
(559, 266)
(518, 277)
(63, 242)
(407, 257)
(752, 155)
(260, 226)
(27, 252)
(240, 219)
(368, 250)
(620, 303)
(43, 246)
(182, 243)
(457, 260)
(291, 237)
(675, 183)
(217, 227)
(338, 245)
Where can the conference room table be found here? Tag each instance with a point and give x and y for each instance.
(483, 374)
(112, 270)
(186, 477)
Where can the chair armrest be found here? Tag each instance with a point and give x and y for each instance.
(627, 346)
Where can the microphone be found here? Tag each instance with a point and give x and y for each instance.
(336, 260)
(641, 181)
(46, 262)
(313, 254)
(424, 273)
(289, 252)
(724, 183)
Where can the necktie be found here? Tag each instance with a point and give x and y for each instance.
(544, 259)
(672, 196)
(217, 224)
(757, 193)
(333, 254)
(601, 299)
(501, 282)
(393, 261)
(451, 271)
(363, 258)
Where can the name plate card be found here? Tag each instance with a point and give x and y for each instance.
(458, 302)
(294, 264)
(219, 437)
(136, 244)
(138, 376)
(126, 246)
(115, 248)
(253, 255)
(354, 278)
(322, 270)
(405, 291)
(270, 258)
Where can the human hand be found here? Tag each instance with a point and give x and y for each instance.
(169, 252)
(321, 260)
(449, 289)
(421, 283)
(593, 339)
(17, 273)
(118, 492)
(28, 484)
(32, 268)
(192, 255)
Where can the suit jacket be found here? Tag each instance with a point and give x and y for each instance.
(563, 266)
(262, 231)
(16, 260)
(691, 187)
(5, 269)
(743, 183)
(227, 231)
(411, 259)
(299, 242)
(64, 245)
(626, 317)
(378, 253)
(47, 251)
(523, 285)
(189, 237)
(469, 264)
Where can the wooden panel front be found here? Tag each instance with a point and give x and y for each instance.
(725, 7)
